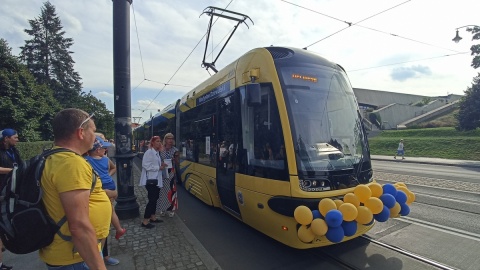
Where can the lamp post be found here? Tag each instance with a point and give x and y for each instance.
(457, 37)
(127, 206)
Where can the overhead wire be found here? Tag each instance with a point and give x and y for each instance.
(380, 31)
(417, 60)
(176, 71)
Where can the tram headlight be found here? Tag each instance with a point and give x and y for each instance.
(313, 185)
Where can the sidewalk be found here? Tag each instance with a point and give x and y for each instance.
(170, 245)
(434, 161)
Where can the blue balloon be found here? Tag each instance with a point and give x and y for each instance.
(389, 189)
(335, 235)
(334, 218)
(382, 216)
(401, 197)
(388, 200)
(349, 227)
(405, 209)
(316, 214)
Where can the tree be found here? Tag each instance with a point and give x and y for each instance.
(103, 117)
(468, 115)
(475, 49)
(25, 105)
(48, 58)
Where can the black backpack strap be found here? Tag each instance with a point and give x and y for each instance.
(62, 221)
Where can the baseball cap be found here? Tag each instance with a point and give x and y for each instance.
(8, 132)
(100, 143)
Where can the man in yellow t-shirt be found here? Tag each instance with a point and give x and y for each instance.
(66, 183)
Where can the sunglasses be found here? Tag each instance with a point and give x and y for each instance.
(86, 120)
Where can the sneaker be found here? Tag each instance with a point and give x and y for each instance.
(111, 261)
(171, 214)
(162, 213)
(148, 226)
(394, 157)
(5, 267)
(120, 233)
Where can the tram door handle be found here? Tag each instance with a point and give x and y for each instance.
(211, 182)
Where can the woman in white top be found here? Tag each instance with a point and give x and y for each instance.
(151, 178)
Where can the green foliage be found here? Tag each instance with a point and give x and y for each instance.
(48, 58)
(25, 105)
(475, 49)
(469, 114)
(30, 149)
(103, 117)
(433, 142)
(33, 92)
(469, 107)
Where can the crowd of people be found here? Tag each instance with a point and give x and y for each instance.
(70, 189)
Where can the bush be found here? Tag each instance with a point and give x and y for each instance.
(30, 149)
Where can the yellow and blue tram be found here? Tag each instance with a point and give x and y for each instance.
(272, 139)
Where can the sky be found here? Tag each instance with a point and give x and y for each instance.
(402, 46)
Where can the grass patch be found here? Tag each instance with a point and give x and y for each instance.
(432, 142)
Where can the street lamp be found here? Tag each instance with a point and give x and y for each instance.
(457, 37)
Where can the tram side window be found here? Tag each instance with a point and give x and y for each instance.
(196, 133)
(262, 136)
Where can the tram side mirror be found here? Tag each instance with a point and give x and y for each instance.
(254, 94)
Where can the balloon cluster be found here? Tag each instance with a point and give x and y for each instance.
(336, 219)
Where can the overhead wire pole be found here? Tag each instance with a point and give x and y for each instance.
(127, 206)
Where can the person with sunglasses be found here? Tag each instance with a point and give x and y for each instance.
(67, 181)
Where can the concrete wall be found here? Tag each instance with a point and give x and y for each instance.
(395, 109)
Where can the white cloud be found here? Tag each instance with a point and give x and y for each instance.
(168, 31)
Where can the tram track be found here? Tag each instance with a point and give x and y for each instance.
(408, 253)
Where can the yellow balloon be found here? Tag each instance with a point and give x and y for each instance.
(395, 210)
(319, 227)
(364, 215)
(401, 184)
(326, 205)
(410, 197)
(351, 198)
(338, 202)
(303, 215)
(376, 189)
(305, 234)
(374, 204)
(349, 211)
(403, 188)
(362, 192)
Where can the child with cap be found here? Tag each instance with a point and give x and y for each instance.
(105, 168)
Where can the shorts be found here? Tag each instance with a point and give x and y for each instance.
(400, 152)
(109, 185)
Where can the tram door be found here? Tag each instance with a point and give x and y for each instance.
(226, 153)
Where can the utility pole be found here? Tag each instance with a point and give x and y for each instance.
(127, 206)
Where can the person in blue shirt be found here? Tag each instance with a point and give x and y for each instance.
(105, 168)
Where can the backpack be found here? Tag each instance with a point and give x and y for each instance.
(25, 225)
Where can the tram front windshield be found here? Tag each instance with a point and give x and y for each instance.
(324, 118)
